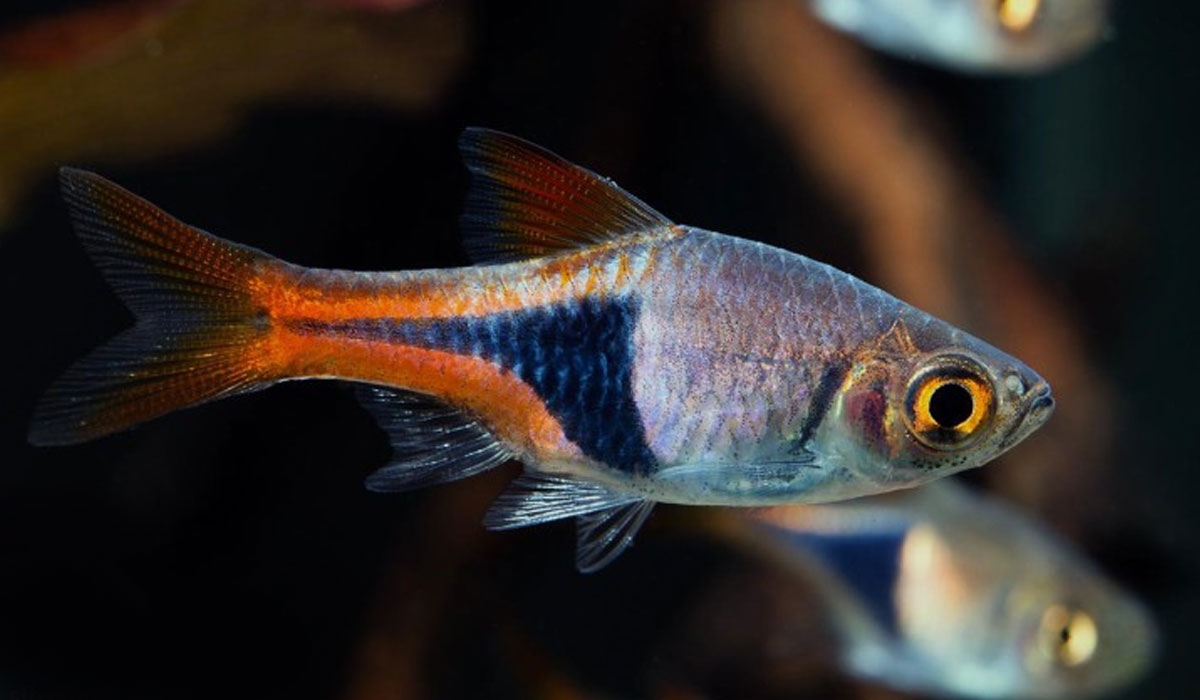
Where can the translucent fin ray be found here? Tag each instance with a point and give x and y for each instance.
(601, 536)
(527, 202)
(432, 442)
(761, 472)
(534, 498)
(156, 263)
(197, 331)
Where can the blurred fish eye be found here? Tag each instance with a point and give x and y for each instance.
(949, 404)
(1017, 15)
(1067, 637)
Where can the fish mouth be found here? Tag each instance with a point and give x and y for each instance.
(1039, 404)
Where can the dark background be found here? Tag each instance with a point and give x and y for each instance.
(231, 549)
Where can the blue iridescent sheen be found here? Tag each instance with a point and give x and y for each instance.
(577, 356)
(868, 563)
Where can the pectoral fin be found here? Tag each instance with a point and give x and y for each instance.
(750, 472)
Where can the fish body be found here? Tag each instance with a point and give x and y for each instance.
(973, 35)
(625, 359)
(631, 363)
(945, 592)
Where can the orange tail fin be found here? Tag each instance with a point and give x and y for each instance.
(198, 334)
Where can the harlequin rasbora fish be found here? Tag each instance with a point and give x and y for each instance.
(624, 359)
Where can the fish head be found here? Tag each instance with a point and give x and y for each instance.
(1069, 633)
(974, 35)
(1022, 35)
(919, 406)
(992, 608)
(999, 607)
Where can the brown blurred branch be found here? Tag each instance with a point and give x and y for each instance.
(198, 68)
(86, 33)
(417, 594)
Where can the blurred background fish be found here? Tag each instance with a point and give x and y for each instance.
(944, 592)
(973, 35)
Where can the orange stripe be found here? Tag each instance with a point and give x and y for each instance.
(508, 406)
(472, 291)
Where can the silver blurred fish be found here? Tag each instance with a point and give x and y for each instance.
(944, 592)
(973, 35)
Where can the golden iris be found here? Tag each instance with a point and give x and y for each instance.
(1068, 636)
(1017, 15)
(949, 404)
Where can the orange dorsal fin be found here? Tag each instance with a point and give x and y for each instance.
(525, 202)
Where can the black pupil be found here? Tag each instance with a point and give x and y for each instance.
(950, 405)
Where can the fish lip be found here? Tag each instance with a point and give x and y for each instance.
(1039, 404)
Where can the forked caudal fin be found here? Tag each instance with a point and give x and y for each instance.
(198, 330)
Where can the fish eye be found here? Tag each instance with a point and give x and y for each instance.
(949, 404)
(1068, 636)
(1017, 15)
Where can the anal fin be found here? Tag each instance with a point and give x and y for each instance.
(432, 442)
